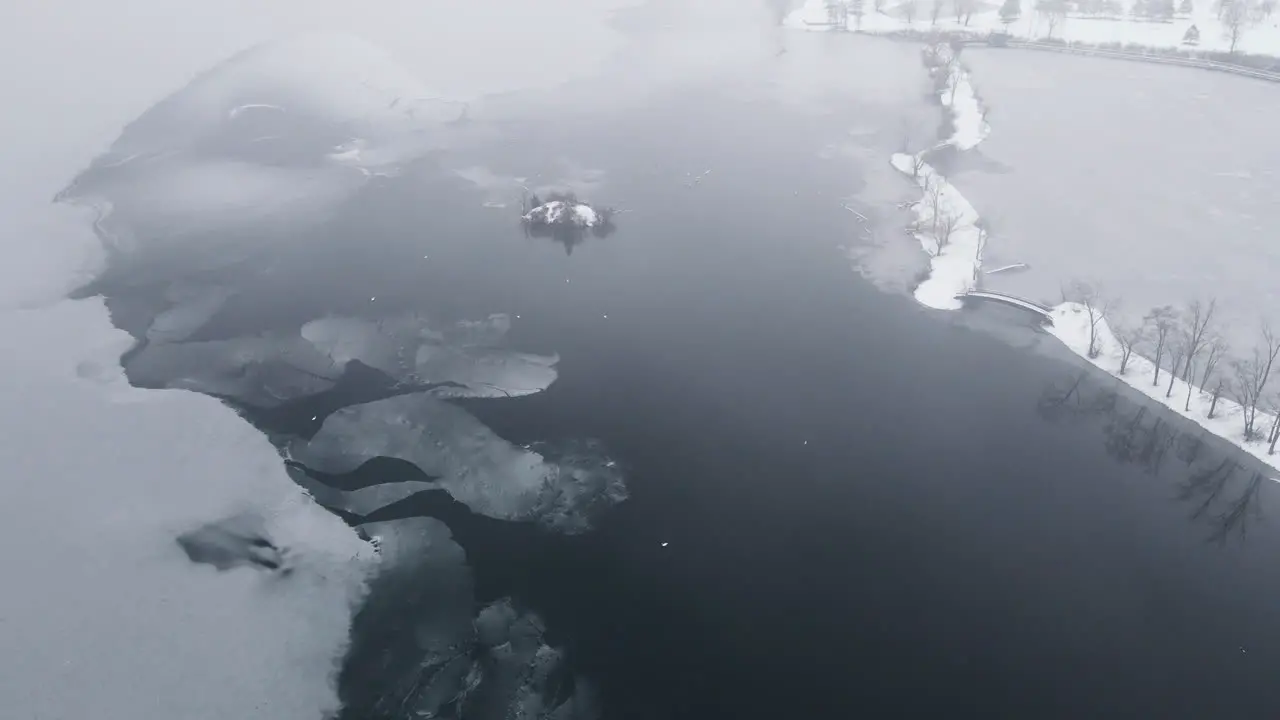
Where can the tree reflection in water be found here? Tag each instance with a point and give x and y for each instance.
(1220, 483)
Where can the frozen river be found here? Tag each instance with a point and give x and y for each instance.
(1157, 184)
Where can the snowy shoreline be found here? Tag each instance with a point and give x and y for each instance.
(1070, 325)
(956, 263)
(947, 225)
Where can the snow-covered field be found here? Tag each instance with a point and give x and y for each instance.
(1260, 38)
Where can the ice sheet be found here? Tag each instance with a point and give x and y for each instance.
(105, 614)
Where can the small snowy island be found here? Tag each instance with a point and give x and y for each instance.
(563, 212)
(565, 219)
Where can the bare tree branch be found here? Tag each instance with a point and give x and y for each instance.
(1096, 306)
(1129, 336)
(1162, 321)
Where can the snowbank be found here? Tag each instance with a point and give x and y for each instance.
(103, 612)
(967, 114)
(953, 265)
(947, 225)
(1071, 326)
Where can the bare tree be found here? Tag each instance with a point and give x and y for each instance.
(1177, 351)
(877, 5)
(1221, 385)
(838, 14)
(935, 12)
(935, 202)
(1250, 379)
(1053, 12)
(1273, 407)
(1194, 331)
(953, 84)
(858, 9)
(917, 165)
(1096, 306)
(1236, 16)
(1161, 321)
(1213, 352)
(909, 11)
(1129, 336)
(946, 227)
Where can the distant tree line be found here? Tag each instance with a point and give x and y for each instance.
(1186, 343)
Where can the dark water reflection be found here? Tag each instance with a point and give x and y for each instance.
(841, 505)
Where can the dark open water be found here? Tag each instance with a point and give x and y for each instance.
(869, 510)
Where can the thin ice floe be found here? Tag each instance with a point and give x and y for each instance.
(464, 355)
(421, 648)
(263, 371)
(491, 476)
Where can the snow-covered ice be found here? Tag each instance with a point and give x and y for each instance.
(409, 349)
(103, 611)
(262, 371)
(272, 139)
(491, 476)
